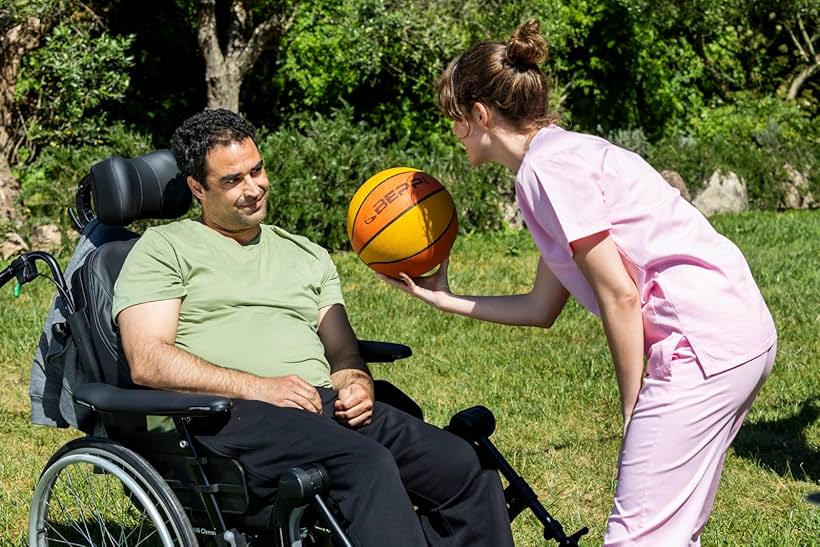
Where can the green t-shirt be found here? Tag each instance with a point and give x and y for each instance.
(248, 307)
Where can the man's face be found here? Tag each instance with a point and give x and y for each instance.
(236, 197)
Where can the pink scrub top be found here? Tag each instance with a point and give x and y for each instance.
(692, 281)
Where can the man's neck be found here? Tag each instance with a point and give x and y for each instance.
(243, 237)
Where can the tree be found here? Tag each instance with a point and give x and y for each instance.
(804, 32)
(59, 72)
(23, 27)
(230, 52)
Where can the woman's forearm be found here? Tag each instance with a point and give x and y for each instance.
(538, 308)
(517, 309)
(623, 326)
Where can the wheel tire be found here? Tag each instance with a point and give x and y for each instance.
(94, 491)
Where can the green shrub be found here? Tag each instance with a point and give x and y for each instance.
(65, 86)
(48, 184)
(316, 164)
(755, 138)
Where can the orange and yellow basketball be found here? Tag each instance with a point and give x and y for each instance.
(402, 220)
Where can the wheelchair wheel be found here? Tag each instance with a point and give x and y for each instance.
(96, 492)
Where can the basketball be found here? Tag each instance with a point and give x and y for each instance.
(402, 220)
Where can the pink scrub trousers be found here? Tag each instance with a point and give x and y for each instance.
(675, 446)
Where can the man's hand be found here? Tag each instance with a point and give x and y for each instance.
(348, 372)
(288, 391)
(354, 406)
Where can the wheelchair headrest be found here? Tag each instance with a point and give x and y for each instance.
(125, 190)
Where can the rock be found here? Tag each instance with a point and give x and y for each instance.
(676, 181)
(511, 215)
(723, 193)
(796, 194)
(12, 245)
(9, 190)
(47, 237)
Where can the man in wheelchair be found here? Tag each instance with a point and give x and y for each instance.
(229, 306)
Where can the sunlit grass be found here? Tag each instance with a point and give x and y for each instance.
(553, 392)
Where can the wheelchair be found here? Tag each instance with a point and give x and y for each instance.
(123, 484)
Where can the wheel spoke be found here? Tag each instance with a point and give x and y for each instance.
(104, 513)
(145, 538)
(81, 514)
(66, 516)
(97, 513)
(94, 495)
(63, 538)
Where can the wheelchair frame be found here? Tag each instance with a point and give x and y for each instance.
(186, 493)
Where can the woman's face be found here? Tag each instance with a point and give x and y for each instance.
(473, 135)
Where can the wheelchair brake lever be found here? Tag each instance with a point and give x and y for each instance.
(22, 267)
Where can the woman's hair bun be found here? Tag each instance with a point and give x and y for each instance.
(527, 46)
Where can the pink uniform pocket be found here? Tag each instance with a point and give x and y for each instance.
(664, 352)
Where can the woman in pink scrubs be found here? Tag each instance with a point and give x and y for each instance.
(667, 287)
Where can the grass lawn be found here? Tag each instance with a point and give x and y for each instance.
(553, 392)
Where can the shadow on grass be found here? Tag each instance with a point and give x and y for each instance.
(781, 445)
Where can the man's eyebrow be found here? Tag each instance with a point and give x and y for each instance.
(232, 176)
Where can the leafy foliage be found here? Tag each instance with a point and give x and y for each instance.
(65, 85)
(311, 189)
(690, 85)
(49, 183)
(756, 138)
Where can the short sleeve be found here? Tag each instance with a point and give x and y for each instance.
(565, 198)
(330, 292)
(151, 272)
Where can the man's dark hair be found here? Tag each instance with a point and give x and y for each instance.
(197, 135)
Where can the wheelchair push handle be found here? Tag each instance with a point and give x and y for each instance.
(6, 275)
(21, 268)
(24, 269)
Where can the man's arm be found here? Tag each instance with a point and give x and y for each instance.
(348, 371)
(148, 333)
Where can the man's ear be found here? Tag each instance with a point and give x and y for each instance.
(196, 188)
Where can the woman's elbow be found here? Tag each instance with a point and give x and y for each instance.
(543, 313)
(623, 301)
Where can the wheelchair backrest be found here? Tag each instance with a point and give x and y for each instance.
(123, 191)
(93, 289)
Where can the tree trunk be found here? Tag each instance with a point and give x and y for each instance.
(9, 192)
(801, 77)
(223, 83)
(17, 41)
(226, 68)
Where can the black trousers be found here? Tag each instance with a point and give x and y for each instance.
(378, 472)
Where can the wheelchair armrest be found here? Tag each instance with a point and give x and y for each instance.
(383, 352)
(110, 399)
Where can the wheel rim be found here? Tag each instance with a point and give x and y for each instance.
(95, 498)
